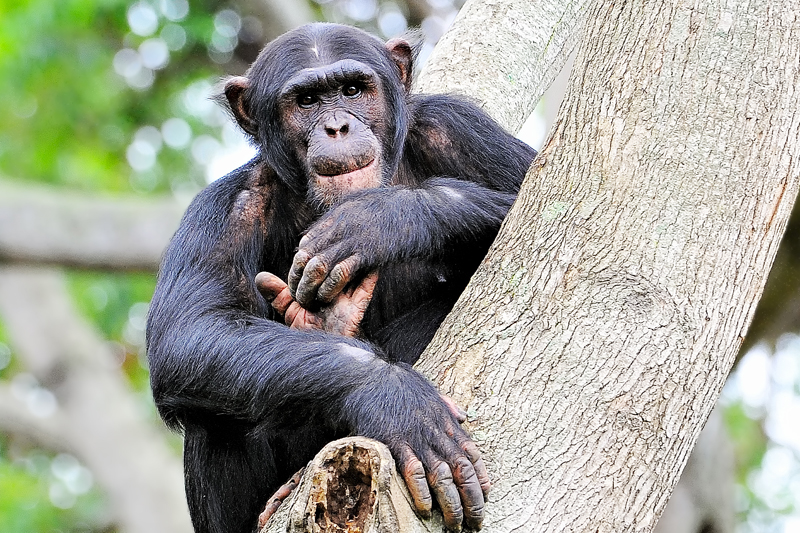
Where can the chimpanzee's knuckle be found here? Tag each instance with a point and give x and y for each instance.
(301, 258)
(442, 473)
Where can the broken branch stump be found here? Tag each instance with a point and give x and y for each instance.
(351, 486)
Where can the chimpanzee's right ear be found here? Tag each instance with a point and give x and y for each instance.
(235, 92)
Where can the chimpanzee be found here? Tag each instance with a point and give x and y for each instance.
(389, 195)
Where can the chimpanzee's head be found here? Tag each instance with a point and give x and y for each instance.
(326, 105)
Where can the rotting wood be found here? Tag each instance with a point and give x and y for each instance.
(351, 486)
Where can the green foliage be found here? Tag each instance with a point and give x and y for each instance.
(75, 111)
(117, 304)
(61, 99)
(6, 362)
(107, 298)
(70, 116)
(748, 439)
(37, 500)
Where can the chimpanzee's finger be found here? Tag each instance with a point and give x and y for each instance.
(470, 449)
(270, 509)
(277, 293)
(274, 290)
(465, 476)
(299, 262)
(362, 294)
(470, 490)
(338, 278)
(455, 410)
(275, 501)
(313, 275)
(291, 317)
(414, 474)
(474, 455)
(440, 479)
(314, 233)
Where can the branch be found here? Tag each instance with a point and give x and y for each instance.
(98, 418)
(351, 485)
(505, 54)
(17, 419)
(41, 224)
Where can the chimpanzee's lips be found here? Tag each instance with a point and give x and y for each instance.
(345, 174)
(366, 177)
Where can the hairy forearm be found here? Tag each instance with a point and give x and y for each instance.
(261, 371)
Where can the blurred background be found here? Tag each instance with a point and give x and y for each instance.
(107, 132)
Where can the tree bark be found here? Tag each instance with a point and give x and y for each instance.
(592, 343)
(703, 499)
(352, 485)
(504, 54)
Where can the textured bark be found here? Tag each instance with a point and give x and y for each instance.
(593, 341)
(50, 225)
(703, 499)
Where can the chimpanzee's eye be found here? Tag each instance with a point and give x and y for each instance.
(351, 91)
(306, 100)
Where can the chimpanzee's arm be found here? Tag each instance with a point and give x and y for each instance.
(463, 173)
(214, 354)
(212, 349)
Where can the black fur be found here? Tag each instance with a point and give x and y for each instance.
(255, 399)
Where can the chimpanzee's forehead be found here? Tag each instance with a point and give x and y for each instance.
(319, 44)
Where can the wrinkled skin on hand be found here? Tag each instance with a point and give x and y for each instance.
(343, 245)
(342, 315)
(435, 456)
(277, 499)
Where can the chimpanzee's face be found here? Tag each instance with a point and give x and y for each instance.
(334, 117)
(326, 105)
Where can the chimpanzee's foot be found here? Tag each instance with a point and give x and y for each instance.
(275, 501)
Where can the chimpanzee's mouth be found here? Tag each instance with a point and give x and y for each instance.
(339, 175)
(365, 177)
(328, 189)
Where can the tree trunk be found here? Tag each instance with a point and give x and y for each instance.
(592, 343)
(504, 54)
(624, 278)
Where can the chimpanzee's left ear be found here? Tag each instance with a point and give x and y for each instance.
(404, 59)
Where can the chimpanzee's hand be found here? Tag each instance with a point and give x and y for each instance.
(434, 454)
(342, 316)
(349, 240)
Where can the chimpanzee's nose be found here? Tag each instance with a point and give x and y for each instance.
(337, 126)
